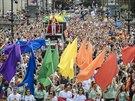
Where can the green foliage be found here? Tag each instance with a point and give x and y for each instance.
(124, 7)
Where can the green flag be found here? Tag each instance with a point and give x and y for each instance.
(55, 60)
(45, 67)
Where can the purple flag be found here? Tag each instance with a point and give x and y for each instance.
(8, 68)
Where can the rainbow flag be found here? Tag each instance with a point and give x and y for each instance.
(2, 47)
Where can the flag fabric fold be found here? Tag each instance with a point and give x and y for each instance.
(107, 72)
(63, 56)
(8, 68)
(46, 66)
(61, 99)
(128, 53)
(81, 55)
(29, 78)
(26, 45)
(49, 66)
(88, 58)
(68, 59)
(84, 56)
(55, 58)
(88, 71)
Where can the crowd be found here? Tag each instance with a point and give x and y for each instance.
(101, 33)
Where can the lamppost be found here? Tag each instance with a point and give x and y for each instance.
(37, 13)
(12, 20)
(128, 19)
(3, 8)
(115, 16)
(107, 10)
(43, 6)
(27, 13)
(46, 5)
(119, 9)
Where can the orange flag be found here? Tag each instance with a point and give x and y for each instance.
(88, 58)
(88, 71)
(81, 55)
(90, 53)
(106, 72)
(128, 53)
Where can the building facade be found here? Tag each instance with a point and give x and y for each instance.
(5, 5)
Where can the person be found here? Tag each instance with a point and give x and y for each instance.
(53, 25)
(40, 93)
(123, 95)
(43, 34)
(86, 85)
(94, 92)
(4, 88)
(10, 88)
(66, 93)
(80, 96)
(110, 92)
(133, 89)
(52, 96)
(29, 96)
(14, 96)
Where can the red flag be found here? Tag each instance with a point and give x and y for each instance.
(89, 100)
(128, 53)
(61, 99)
(106, 72)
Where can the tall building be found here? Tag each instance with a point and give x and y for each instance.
(5, 5)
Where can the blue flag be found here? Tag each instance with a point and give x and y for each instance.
(26, 45)
(117, 24)
(8, 68)
(36, 44)
(29, 78)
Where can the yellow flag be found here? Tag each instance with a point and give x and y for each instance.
(68, 60)
(63, 56)
(71, 69)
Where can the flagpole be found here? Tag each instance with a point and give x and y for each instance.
(52, 68)
(53, 72)
(22, 62)
(51, 82)
(75, 76)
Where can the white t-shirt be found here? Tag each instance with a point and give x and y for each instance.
(64, 94)
(29, 98)
(79, 98)
(55, 99)
(86, 85)
(13, 97)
